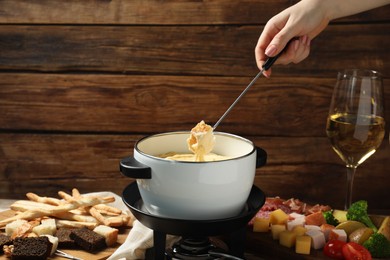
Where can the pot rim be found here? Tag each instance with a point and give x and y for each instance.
(188, 162)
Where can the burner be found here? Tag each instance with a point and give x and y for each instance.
(192, 248)
(195, 243)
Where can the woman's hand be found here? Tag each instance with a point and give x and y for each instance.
(305, 20)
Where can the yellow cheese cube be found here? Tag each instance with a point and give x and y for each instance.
(276, 229)
(299, 230)
(287, 238)
(302, 245)
(340, 215)
(261, 225)
(278, 217)
(385, 227)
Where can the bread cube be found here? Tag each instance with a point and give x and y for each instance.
(11, 227)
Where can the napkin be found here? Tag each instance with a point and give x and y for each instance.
(137, 242)
(140, 237)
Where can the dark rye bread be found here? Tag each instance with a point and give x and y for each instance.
(31, 248)
(4, 241)
(88, 239)
(64, 240)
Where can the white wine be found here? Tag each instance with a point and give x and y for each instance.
(355, 138)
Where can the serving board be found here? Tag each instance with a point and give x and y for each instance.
(263, 245)
(103, 254)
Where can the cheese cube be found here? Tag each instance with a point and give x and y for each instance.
(278, 217)
(302, 245)
(317, 238)
(326, 228)
(261, 225)
(296, 222)
(299, 230)
(295, 215)
(287, 238)
(338, 234)
(340, 215)
(276, 229)
(312, 227)
(384, 229)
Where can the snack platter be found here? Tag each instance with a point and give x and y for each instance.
(103, 254)
(96, 219)
(262, 242)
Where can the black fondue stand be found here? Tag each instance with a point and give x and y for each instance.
(195, 243)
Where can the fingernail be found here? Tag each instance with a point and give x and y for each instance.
(267, 74)
(271, 50)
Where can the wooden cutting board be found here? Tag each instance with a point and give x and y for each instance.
(262, 244)
(103, 254)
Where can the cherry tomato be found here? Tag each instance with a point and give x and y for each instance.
(334, 249)
(354, 251)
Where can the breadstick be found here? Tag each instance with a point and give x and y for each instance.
(75, 193)
(36, 213)
(27, 215)
(65, 196)
(75, 217)
(47, 200)
(114, 221)
(109, 209)
(24, 205)
(96, 214)
(75, 224)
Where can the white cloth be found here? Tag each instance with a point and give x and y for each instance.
(137, 242)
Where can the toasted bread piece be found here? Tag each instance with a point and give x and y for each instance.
(109, 233)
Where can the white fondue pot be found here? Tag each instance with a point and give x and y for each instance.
(193, 190)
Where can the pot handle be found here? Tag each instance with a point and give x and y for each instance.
(261, 157)
(132, 168)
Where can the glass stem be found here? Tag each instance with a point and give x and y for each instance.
(350, 177)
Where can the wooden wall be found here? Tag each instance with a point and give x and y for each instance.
(81, 81)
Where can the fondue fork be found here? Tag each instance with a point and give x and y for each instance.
(266, 66)
(66, 255)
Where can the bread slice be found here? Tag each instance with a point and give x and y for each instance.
(31, 248)
(109, 233)
(54, 241)
(64, 240)
(4, 241)
(87, 239)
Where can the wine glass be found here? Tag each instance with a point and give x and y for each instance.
(355, 124)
